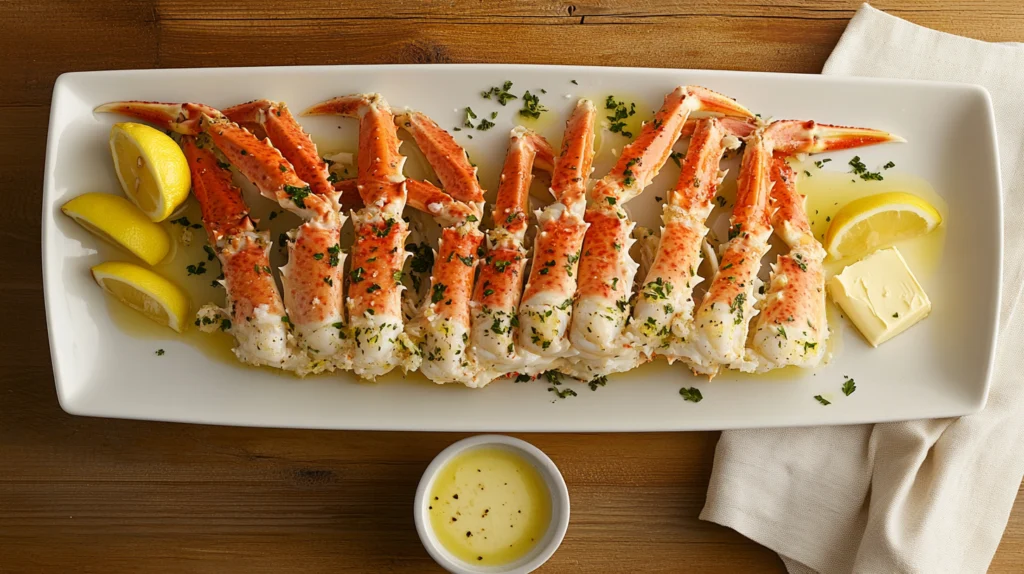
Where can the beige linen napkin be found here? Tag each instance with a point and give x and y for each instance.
(921, 496)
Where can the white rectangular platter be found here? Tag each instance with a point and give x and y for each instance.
(939, 368)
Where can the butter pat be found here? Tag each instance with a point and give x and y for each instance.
(880, 295)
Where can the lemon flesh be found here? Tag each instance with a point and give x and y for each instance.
(151, 168)
(877, 221)
(145, 291)
(115, 220)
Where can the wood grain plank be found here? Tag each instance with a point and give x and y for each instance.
(713, 43)
(567, 12)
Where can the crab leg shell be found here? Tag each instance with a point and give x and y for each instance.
(447, 158)
(722, 320)
(606, 269)
(428, 198)
(312, 280)
(446, 353)
(288, 137)
(789, 137)
(500, 283)
(525, 150)
(792, 328)
(666, 297)
(374, 296)
(379, 162)
(378, 254)
(253, 302)
(180, 118)
(546, 311)
(259, 161)
(446, 357)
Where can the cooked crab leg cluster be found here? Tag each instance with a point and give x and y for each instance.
(606, 269)
(496, 298)
(378, 253)
(719, 332)
(445, 320)
(546, 311)
(482, 317)
(312, 281)
(662, 316)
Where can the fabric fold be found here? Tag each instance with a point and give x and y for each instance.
(918, 496)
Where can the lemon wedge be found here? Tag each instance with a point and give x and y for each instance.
(145, 291)
(151, 168)
(876, 221)
(115, 220)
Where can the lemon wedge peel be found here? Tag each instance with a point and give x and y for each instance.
(145, 291)
(151, 167)
(119, 222)
(876, 221)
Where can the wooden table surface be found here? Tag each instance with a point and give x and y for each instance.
(110, 495)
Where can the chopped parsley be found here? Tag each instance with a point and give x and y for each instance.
(335, 252)
(822, 400)
(532, 107)
(438, 293)
(628, 174)
(658, 289)
(485, 125)
(555, 378)
(598, 382)
(849, 386)
(197, 269)
(691, 394)
(857, 167)
(160, 352)
(501, 94)
(357, 274)
(737, 307)
(297, 194)
(619, 113)
(386, 230)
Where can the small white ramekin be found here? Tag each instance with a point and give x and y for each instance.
(556, 488)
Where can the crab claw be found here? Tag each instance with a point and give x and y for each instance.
(711, 101)
(796, 136)
(181, 118)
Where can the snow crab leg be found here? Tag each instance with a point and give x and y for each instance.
(606, 269)
(791, 328)
(446, 318)
(312, 280)
(546, 311)
(500, 283)
(375, 289)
